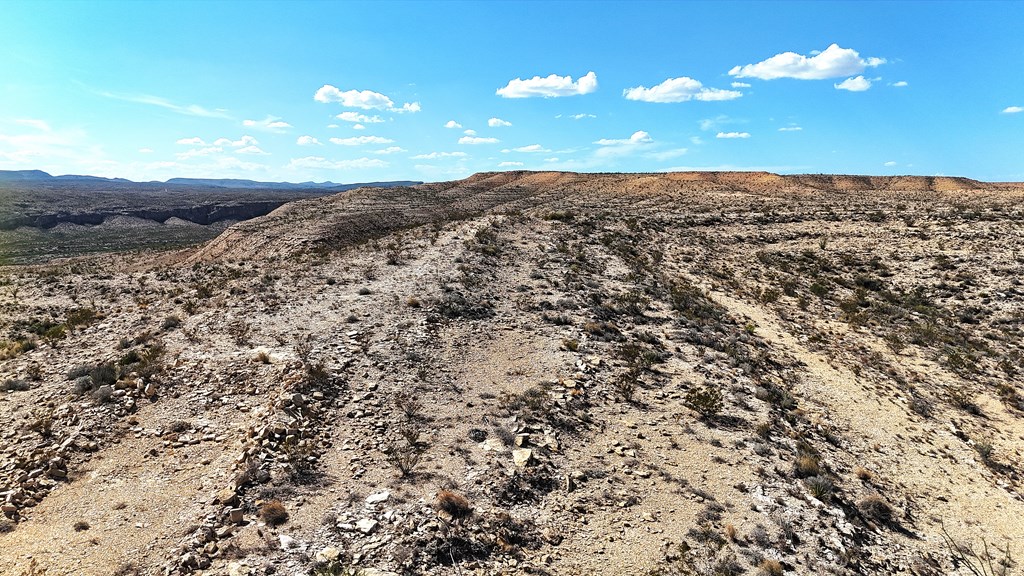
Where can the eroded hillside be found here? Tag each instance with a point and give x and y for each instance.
(712, 373)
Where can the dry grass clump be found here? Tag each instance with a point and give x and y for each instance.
(863, 473)
(769, 567)
(273, 513)
(875, 508)
(454, 506)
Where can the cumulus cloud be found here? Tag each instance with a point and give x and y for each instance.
(251, 150)
(855, 84)
(790, 129)
(194, 141)
(833, 62)
(364, 99)
(610, 148)
(554, 86)
(477, 140)
(638, 137)
(1013, 110)
(358, 127)
(389, 150)
(196, 152)
(321, 162)
(509, 164)
(498, 123)
(582, 116)
(469, 132)
(360, 140)
(680, 89)
(307, 141)
(740, 85)
(356, 117)
(728, 135)
(900, 84)
(435, 155)
(243, 141)
(269, 124)
(452, 124)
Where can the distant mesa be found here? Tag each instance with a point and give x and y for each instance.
(29, 176)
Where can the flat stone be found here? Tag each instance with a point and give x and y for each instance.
(492, 445)
(366, 525)
(522, 456)
(378, 497)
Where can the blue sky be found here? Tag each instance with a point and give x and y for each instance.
(435, 91)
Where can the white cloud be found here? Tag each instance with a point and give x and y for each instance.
(553, 86)
(889, 163)
(856, 84)
(696, 140)
(360, 140)
(740, 85)
(251, 150)
(611, 148)
(195, 141)
(365, 99)
(475, 140)
(790, 129)
(509, 164)
(552, 159)
(530, 148)
(196, 152)
(582, 116)
(900, 84)
(498, 123)
(833, 62)
(145, 150)
(638, 137)
(680, 89)
(452, 124)
(321, 162)
(469, 132)
(243, 141)
(269, 124)
(389, 150)
(333, 126)
(728, 135)
(307, 141)
(717, 122)
(1013, 110)
(359, 118)
(435, 155)
(358, 127)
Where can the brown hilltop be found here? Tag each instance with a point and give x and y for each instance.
(353, 217)
(532, 373)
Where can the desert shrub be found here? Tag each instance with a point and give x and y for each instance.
(273, 513)
(403, 454)
(705, 400)
(80, 317)
(571, 344)
(874, 507)
(103, 373)
(985, 449)
(103, 394)
(625, 385)
(963, 397)
(819, 487)
(132, 357)
(83, 385)
(81, 526)
(994, 561)
(171, 322)
(14, 385)
(863, 473)
(454, 506)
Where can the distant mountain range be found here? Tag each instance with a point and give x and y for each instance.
(30, 176)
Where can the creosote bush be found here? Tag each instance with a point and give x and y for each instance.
(705, 400)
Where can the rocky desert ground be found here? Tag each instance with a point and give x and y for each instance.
(532, 373)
